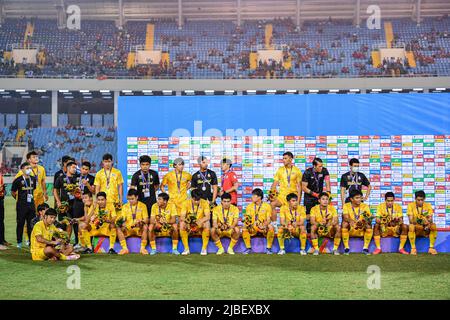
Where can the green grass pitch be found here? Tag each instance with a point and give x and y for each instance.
(255, 276)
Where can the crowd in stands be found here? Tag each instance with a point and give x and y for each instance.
(220, 49)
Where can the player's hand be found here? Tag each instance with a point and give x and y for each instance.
(290, 228)
(85, 182)
(58, 203)
(46, 197)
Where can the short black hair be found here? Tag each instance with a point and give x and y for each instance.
(107, 156)
(389, 195)
(86, 164)
(291, 196)
(65, 159)
(353, 160)
(258, 192)
(132, 192)
(23, 165)
(324, 194)
(145, 158)
(420, 193)
(51, 212)
(88, 194)
(101, 194)
(195, 194)
(31, 153)
(288, 153)
(42, 207)
(355, 193)
(316, 161)
(71, 163)
(226, 196)
(164, 196)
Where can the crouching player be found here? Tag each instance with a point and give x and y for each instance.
(194, 220)
(293, 223)
(356, 221)
(48, 242)
(133, 222)
(225, 219)
(257, 221)
(99, 221)
(163, 223)
(325, 223)
(389, 223)
(420, 214)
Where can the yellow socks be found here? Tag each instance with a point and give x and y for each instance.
(303, 241)
(280, 239)
(174, 244)
(87, 239)
(433, 236)
(270, 236)
(345, 237)
(153, 244)
(412, 239)
(377, 240)
(315, 243)
(123, 243)
(337, 242)
(184, 239)
(112, 239)
(403, 239)
(143, 244)
(205, 238)
(246, 238)
(232, 243)
(367, 237)
(218, 244)
(62, 257)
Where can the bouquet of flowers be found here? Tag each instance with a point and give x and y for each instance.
(367, 219)
(223, 226)
(59, 234)
(191, 221)
(273, 194)
(118, 207)
(384, 221)
(98, 221)
(248, 222)
(120, 222)
(63, 208)
(165, 227)
(286, 234)
(322, 229)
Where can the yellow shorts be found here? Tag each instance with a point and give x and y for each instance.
(282, 198)
(225, 233)
(104, 230)
(391, 232)
(356, 233)
(133, 232)
(295, 233)
(39, 255)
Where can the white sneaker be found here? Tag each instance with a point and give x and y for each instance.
(335, 252)
(2, 247)
(303, 252)
(203, 253)
(311, 250)
(281, 252)
(77, 246)
(73, 257)
(220, 251)
(230, 251)
(316, 252)
(185, 253)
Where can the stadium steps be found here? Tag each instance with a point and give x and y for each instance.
(253, 60)
(376, 58)
(131, 60)
(388, 33)
(268, 36)
(150, 37)
(411, 59)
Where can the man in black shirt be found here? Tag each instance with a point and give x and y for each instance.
(205, 181)
(312, 184)
(41, 209)
(61, 172)
(146, 182)
(354, 180)
(22, 190)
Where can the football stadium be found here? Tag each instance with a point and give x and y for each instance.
(224, 150)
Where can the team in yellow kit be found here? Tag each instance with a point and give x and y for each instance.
(176, 214)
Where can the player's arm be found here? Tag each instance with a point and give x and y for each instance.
(312, 218)
(410, 214)
(366, 183)
(327, 182)
(14, 188)
(44, 186)
(145, 219)
(163, 183)
(56, 191)
(235, 221)
(120, 189)
(335, 220)
(343, 190)
(40, 238)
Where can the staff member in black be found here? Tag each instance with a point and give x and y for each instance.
(354, 180)
(22, 190)
(61, 194)
(64, 161)
(85, 181)
(205, 182)
(146, 182)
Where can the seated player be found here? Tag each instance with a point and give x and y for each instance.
(420, 214)
(257, 221)
(194, 220)
(163, 223)
(389, 223)
(99, 221)
(356, 221)
(325, 223)
(225, 220)
(45, 242)
(132, 222)
(293, 223)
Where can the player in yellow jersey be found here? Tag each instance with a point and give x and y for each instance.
(420, 214)
(163, 223)
(356, 221)
(325, 223)
(195, 220)
(110, 181)
(45, 243)
(178, 183)
(289, 179)
(389, 223)
(292, 223)
(225, 220)
(135, 217)
(257, 221)
(99, 221)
